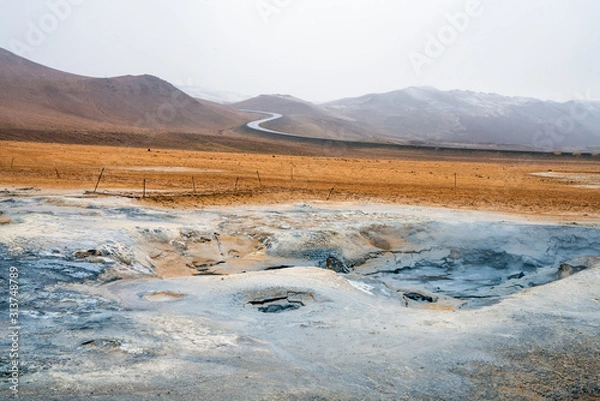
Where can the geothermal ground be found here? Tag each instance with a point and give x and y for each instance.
(225, 295)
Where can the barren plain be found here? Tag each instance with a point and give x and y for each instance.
(559, 185)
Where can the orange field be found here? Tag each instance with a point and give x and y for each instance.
(176, 178)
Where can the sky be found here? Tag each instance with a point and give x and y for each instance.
(320, 50)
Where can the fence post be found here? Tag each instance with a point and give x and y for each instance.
(99, 178)
(330, 192)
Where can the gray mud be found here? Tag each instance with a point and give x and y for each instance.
(301, 302)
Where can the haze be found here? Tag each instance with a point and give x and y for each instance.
(319, 50)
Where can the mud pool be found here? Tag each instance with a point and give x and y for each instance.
(343, 301)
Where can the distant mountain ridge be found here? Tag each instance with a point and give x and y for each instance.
(430, 117)
(38, 98)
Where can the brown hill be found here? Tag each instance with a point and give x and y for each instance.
(35, 97)
(307, 119)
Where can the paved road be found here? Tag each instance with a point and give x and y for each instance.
(256, 125)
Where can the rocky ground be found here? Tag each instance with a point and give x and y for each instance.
(307, 301)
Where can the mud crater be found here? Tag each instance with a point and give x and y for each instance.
(278, 300)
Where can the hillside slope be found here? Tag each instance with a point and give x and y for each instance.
(430, 116)
(35, 97)
(307, 119)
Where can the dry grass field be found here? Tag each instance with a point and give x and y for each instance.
(483, 181)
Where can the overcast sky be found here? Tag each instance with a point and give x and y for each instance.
(319, 50)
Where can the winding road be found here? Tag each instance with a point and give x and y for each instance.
(256, 125)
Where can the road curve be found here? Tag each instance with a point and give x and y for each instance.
(256, 125)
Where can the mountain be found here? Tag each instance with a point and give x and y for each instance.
(35, 97)
(307, 119)
(425, 115)
(41, 103)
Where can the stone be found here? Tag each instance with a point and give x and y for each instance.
(419, 297)
(566, 270)
(336, 265)
(82, 254)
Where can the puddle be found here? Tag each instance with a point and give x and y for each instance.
(482, 263)
(480, 276)
(477, 262)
